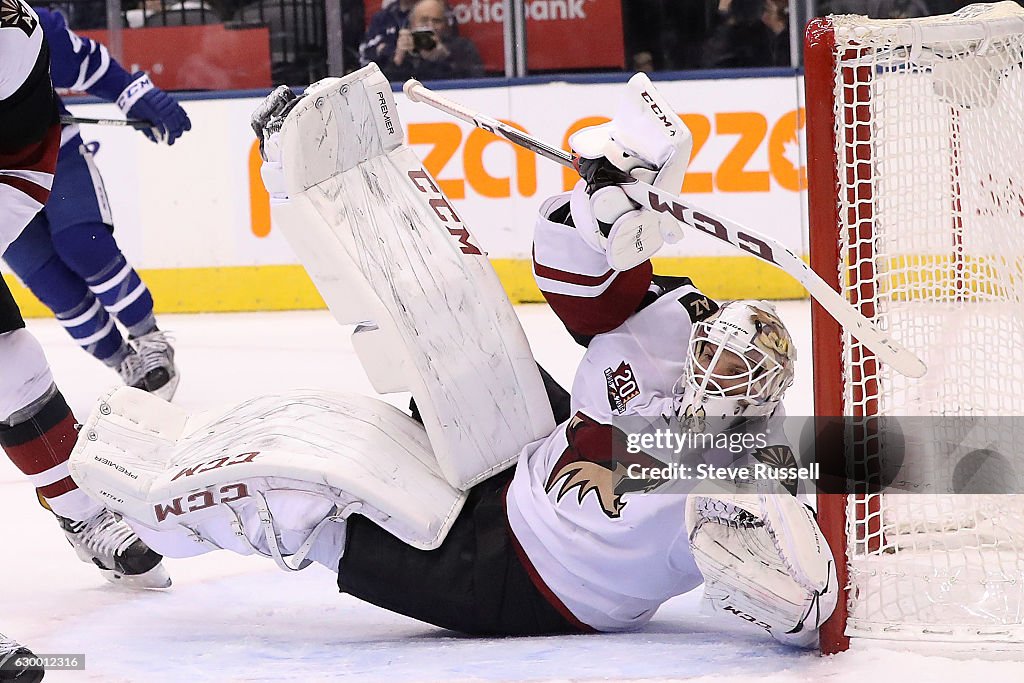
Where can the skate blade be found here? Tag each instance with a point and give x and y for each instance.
(166, 392)
(156, 578)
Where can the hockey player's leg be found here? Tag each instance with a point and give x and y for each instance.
(558, 398)
(147, 360)
(764, 560)
(63, 291)
(37, 431)
(274, 475)
(385, 247)
(474, 582)
(16, 663)
(81, 228)
(317, 477)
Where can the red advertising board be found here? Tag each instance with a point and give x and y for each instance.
(207, 57)
(560, 34)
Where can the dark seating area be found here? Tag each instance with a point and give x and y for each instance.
(656, 35)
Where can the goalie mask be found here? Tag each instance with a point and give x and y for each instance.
(740, 363)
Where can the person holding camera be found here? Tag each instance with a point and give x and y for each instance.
(428, 48)
(381, 35)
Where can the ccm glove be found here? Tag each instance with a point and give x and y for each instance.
(142, 100)
(644, 141)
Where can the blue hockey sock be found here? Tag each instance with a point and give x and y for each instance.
(90, 250)
(143, 327)
(90, 325)
(77, 310)
(122, 292)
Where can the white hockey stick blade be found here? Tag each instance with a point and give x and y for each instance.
(887, 349)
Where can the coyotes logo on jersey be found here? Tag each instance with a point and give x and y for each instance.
(16, 14)
(596, 461)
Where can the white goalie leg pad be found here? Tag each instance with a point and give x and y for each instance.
(764, 561)
(269, 475)
(386, 248)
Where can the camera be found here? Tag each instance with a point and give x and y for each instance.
(424, 39)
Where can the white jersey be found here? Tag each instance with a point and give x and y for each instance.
(609, 559)
(26, 165)
(21, 39)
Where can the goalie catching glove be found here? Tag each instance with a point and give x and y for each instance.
(765, 561)
(645, 141)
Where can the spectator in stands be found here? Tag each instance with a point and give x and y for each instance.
(382, 34)
(743, 37)
(428, 48)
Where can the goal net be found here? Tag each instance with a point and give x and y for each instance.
(916, 192)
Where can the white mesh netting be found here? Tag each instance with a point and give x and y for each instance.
(930, 142)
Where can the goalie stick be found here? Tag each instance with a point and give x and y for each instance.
(138, 124)
(887, 349)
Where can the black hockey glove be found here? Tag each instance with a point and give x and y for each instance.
(600, 172)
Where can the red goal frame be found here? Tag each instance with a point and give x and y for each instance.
(824, 223)
(848, 243)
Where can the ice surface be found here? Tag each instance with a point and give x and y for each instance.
(231, 618)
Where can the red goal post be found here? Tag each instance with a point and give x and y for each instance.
(915, 136)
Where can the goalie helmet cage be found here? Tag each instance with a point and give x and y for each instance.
(915, 136)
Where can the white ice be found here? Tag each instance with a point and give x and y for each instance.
(231, 618)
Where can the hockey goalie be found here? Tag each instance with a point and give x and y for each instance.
(496, 507)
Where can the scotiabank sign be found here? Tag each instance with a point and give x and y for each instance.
(560, 34)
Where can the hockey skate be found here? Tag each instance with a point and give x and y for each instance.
(131, 371)
(11, 671)
(160, 376)
(120, 554)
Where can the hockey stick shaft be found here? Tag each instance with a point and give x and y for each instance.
(887, 349)
(137, 124)
(417, 92)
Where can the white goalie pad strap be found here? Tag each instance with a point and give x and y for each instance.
(764, 561)
(162, 469)
(385, 247)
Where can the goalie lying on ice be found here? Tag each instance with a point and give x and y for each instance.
(426, 515)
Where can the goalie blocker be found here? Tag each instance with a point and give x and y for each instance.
(412, 520)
